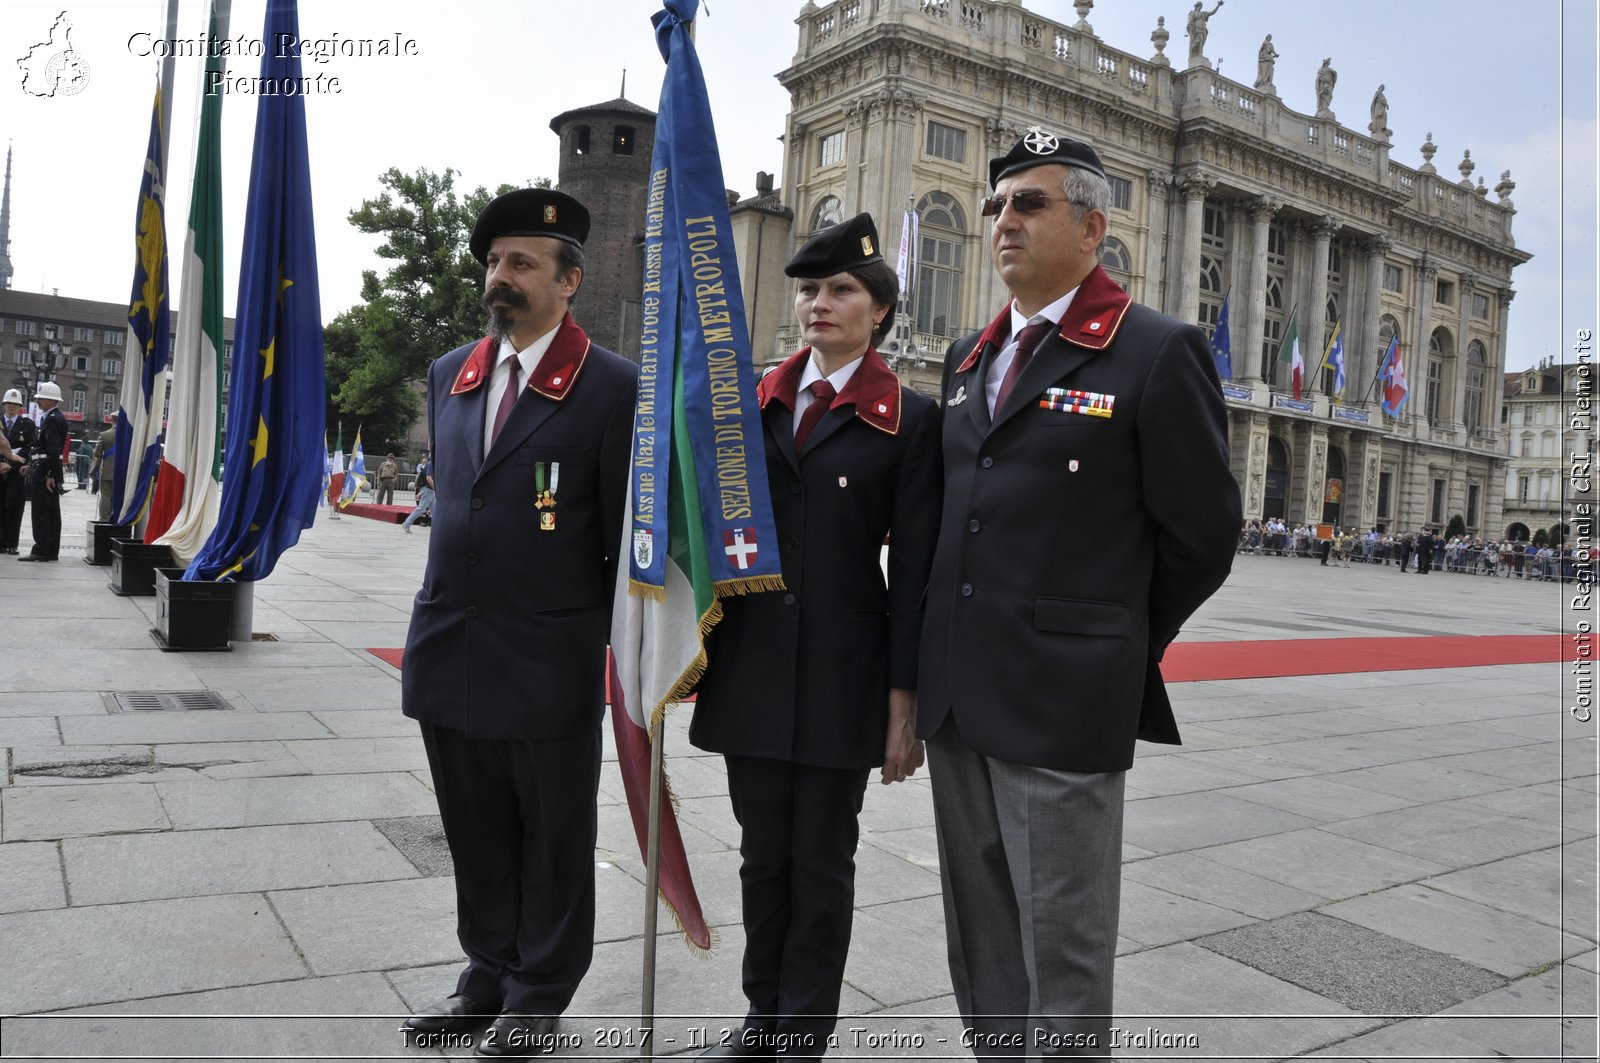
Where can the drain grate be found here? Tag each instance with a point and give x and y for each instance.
(166, 700)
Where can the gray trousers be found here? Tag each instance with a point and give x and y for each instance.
(1030, 863)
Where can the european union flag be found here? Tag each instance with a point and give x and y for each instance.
(275, 455)
(1222, 343)
(149, 320)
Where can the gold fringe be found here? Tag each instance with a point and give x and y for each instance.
(697, 667)
(747, 585)
(694, 949)
(646, 590)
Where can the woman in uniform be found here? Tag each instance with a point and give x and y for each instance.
(809, 688)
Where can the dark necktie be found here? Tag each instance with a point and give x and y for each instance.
(1028, 339)
(508, 400)
(822, 398)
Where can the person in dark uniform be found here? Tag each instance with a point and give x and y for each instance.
(1089, 509)
(20, 433)
(504, 661)
(45, 476)
(809, 688)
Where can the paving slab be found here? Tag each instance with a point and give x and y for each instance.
(368, 723)
(1318, 798)
(201, 862)
(1192, 875)
(51, 703)
(341, 755)
(35, 813)
(306, 799)
(29, 731)
(1452, 833)
(1194, 821)
(1548, 886)
(1362, 969)
(149, 948)
(372, 926)
(1322, 863)
(30, 877)
(315, 1018)
(1152, 916)
(908, 961)
(1422, 781)
(162, 728)
(420, 839)
(1495, 940)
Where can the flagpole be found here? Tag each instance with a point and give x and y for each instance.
(168, 66)
(647, 993)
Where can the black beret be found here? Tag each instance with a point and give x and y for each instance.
(848, 245)
(529, 212)
(1039, 148)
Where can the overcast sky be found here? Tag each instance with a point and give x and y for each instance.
(488, 75)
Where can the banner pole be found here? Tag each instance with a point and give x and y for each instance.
(647, 994)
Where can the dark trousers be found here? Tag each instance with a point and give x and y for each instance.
(13, 498)
(385, 494)
(797, 879)
(46, 520)
(519, 815)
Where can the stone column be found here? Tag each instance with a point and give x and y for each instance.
(1458, 409)
(1157, 189)
(1194, 186)
(1363, 360)
(1312, 325)
(1253, 300)
(1427, 274)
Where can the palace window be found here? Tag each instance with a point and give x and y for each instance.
(1121, 192)
(83, 335)
(1114, 257)
(1444, 292)
(940, 265)
(25, 328)
(830, 148)
(1441, 349)
(1477, 373)
(946, 142)
(1480, 306)
(108, 403)
(110, 367)
(829, 212)
(111, 337)
(79, 397)
(1436, 509)
(622, 140)
(1394, 278)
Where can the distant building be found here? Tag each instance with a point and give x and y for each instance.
(1219, 190)
(1543, 447)
(86, 341)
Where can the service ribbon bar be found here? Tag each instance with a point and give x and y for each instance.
(1066, 400)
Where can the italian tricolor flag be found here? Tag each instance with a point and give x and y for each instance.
(1289, 354)
(183, 507)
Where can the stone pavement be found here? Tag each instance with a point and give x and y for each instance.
(1375, 866)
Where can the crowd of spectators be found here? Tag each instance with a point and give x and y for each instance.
(1458, 553)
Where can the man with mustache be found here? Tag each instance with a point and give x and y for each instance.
(504, 661)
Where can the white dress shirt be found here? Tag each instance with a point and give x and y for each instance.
(500, 376)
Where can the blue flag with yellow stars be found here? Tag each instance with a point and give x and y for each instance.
(274, 457)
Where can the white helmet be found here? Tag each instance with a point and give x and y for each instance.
(13, 395)
(49, 390)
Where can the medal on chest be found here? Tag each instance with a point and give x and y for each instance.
(546, 478)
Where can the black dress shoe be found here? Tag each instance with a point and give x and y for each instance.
(453, 1014)
(515, 1035)
(32, 557)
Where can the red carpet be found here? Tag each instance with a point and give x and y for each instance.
(1190, 662)
(373, 511)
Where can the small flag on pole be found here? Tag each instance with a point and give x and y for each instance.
(1222, 344)
(1289, 355)
(1392, 379)
(1333, 358)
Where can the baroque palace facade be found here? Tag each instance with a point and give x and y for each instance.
(1219, 190)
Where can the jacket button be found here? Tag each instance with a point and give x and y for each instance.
(973, 525)
(472, 559)
(788, 599)
(472, 611)
(477, 503)
(987, 463)
(794, 488)
(966, 590)
(794, 542)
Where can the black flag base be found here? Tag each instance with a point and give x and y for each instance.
(99, 534)
(192, 615)
(133, 567)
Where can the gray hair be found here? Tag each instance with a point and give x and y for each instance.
(1087, 191)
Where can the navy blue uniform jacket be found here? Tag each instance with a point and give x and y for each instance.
(508, 633)
(803, 674)
(1081, 529)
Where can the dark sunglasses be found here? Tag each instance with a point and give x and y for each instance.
(1030, 202)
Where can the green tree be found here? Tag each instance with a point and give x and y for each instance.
(424, 305)
(1558, 534)
(1457, 526)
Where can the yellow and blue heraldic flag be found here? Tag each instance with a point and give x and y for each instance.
(274, 459)
(138, 427)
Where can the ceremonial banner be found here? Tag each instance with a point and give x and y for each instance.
(1290, 356)
(1222, 343)
(183, 509)
(335, 484)
(1333, 358)
(356, 475)
(699, 515)
(145, 391)
(905, 268)
(276, 393)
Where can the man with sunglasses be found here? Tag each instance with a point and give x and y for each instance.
(1088, 511)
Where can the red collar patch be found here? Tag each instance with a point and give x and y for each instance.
(873, 389)
(1091, 321)
(553, 378)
